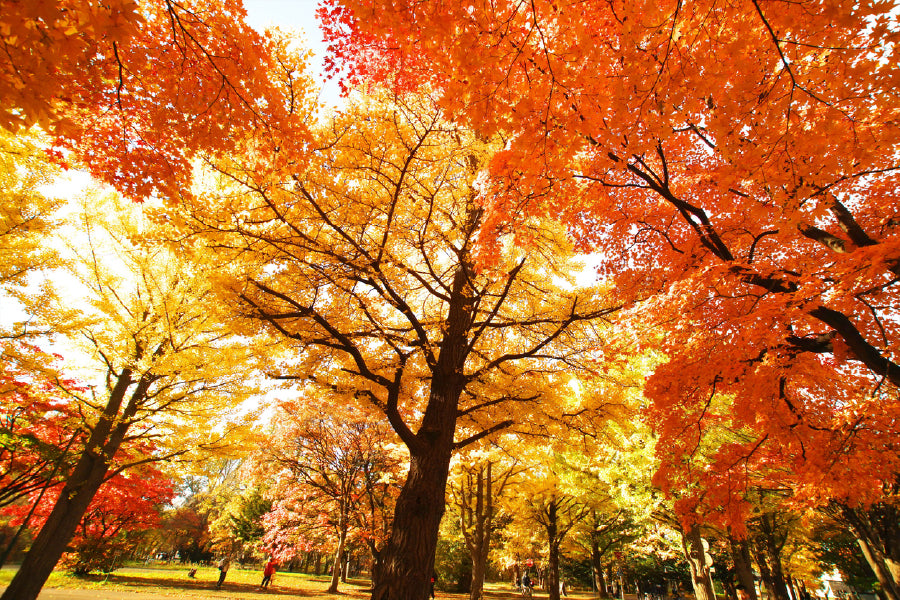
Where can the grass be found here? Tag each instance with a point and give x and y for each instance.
(170, 580)
(240, 584)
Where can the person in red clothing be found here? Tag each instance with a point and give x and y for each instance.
(268, 571)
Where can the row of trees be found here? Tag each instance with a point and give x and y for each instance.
(414, 255)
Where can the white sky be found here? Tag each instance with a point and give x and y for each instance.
(299, 15)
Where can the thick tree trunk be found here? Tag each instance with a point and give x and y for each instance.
(78, 491)
(743, 564)
(405, 573)
(552, 581)
(552, 571)
(692, 544)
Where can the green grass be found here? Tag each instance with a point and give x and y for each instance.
(171, 580)
(241, 584)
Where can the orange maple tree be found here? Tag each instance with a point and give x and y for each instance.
(735, 166)
(135, 88)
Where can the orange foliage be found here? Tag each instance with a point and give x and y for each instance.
(735, 165)
(136, 88)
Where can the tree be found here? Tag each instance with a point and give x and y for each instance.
(473, 492)
(877, 533)
(365, 270)
(329, 466)
(125, 507)
(136, 87)
(164, 361)
(734, 165)
(238, 529)
(26, 214)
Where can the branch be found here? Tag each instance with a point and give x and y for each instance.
(483, 434)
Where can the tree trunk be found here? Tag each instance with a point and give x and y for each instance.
(765, 574)
(772, 552)
(792, 590)
(692, 545)
(882, 572)
(743, 564)
(477, 530)
(551, 524)
(338, 566)
(409, 554)
(78, 491)
(552, 581)
(405, 573)
(597, 567)
(876, 547)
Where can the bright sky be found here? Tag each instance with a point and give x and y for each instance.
(299, 15)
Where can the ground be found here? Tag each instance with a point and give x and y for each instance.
(167, 582)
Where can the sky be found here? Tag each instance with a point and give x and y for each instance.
(299, 15)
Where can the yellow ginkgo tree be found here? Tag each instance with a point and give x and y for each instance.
(365, 266)
(163, 372)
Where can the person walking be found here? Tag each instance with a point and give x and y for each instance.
(268, 571)
(223, 565)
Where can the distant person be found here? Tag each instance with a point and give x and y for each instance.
(433, 581)
(742, 592)
(268, 571)
(223, 565)
(527, 585)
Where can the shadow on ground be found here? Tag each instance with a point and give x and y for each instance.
(179, 582)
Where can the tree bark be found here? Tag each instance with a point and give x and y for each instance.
(743, 564)
(408, 563)
(692, 545)
(78, 491)
(553, 555)
(338, 566)
(405, 573)
(877, 547)
(770, 548)
(597, 567)
(765, 574)
(477, 529)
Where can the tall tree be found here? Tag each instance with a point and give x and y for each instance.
(734, 162)
(165, 365)
(366, 271)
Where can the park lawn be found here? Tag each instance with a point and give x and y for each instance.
(172, 581)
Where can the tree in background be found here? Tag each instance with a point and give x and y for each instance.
(325, 471)
(238, 529)
(478, 483)
(121, 513)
